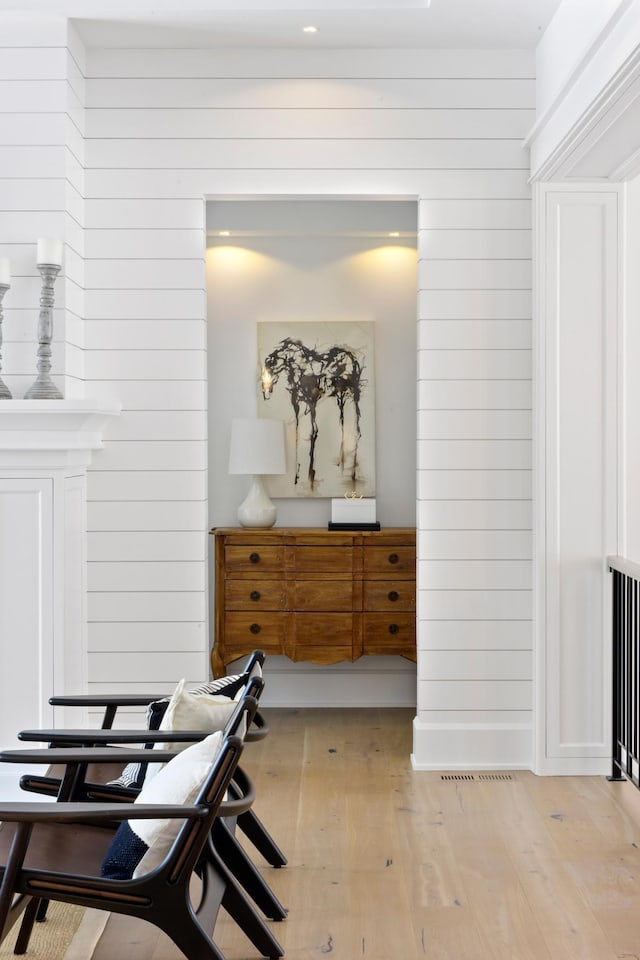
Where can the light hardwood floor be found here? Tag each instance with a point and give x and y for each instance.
(389, 864)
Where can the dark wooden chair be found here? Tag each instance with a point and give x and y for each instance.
(248, 822)
(232, 863)
(55, 852)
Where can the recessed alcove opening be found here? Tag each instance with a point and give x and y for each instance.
(317, 259)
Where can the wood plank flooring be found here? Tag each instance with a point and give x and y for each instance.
(389, 864)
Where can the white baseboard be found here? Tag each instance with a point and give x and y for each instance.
(574, 767)
(474, 747)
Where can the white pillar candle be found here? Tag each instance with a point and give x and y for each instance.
(5, 271)
(49, 251)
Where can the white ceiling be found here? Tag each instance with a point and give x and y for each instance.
(279, 23)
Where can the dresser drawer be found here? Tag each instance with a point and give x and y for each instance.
(322, 637)
(330, 595)
(263, 630)
(255, 595)
(253, 559)
(389, 561)
(390, 595)
(313, 559)
(387, 634)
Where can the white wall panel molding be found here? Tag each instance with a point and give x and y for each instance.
(579, 244)
(45, 447)
(26, 604)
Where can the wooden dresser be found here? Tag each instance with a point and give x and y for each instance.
(314, 594)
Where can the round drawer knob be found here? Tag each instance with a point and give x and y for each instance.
(394, 595)
(393, 558)
(255, 628)
(394, 628)
(254, 557)
(254, 595)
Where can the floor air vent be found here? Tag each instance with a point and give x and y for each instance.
(476, 776)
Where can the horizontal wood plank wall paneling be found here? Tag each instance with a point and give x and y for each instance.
(42, 163)
(300, 63)
(165, 129)
(129, 190)
(475, 485)
(74, 267)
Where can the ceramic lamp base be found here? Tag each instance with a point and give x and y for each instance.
(257, 510)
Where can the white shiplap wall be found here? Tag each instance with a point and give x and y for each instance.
(41, 192)
(167, 128)
(474, 484)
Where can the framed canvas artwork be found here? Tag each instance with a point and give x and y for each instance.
(319, 379)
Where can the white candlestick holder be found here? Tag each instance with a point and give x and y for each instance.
(43, 387)
(5, 393)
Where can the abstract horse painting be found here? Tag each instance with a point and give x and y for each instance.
(320, 376)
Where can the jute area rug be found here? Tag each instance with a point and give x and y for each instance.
(68, 933)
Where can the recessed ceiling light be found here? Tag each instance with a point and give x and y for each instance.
(224, 233)
(395, 233)
(310, 29)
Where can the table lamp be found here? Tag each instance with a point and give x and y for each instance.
(257, 449)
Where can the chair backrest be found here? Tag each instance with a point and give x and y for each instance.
(255, 664)
(240, 720)
(189, 844)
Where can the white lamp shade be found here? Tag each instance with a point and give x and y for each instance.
(257, 446)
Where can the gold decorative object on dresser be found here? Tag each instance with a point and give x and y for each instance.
(313, 594)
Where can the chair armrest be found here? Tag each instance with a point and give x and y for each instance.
(258, 730)
(106, 754)
(97, 812)
(107, 700)
(241, 795)
(80, 736)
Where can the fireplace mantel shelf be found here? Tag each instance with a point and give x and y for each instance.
(56, 433)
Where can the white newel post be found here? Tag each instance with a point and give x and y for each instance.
(45, 448)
